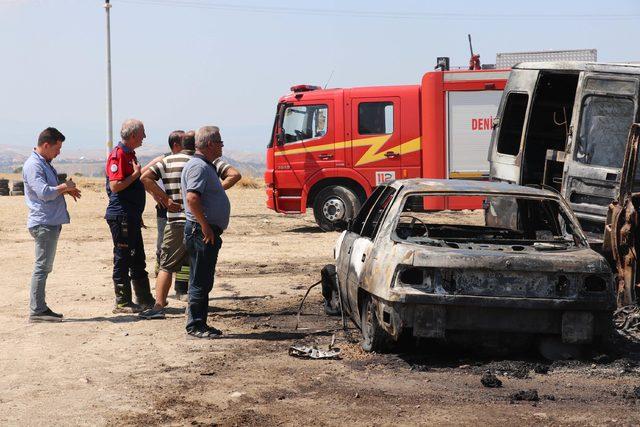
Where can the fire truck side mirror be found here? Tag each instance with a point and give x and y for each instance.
(496, 122)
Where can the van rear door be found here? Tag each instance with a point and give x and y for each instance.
(509, 130)
(606, 106)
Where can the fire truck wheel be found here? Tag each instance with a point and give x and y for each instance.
(334, 206)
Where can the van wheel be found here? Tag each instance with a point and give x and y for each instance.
(334, 206)
(374, 338)
(330, 290)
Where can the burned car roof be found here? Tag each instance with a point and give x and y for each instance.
(469, 186)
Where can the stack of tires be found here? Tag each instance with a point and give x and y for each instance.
(17, 189)
(62, 177)
(4, 187)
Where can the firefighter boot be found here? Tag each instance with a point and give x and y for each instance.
(142, 290)
(123, 300)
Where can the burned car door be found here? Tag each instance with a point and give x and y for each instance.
(606, 105)
(506, 139)
(621, 230)
(363, 244)
(343, 255)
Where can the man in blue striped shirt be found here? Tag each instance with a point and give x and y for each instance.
(47, 213)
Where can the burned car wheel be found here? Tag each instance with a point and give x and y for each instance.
(374, 338)
(334, 206)
(331, 299)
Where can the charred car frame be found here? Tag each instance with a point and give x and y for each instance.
(519, 267)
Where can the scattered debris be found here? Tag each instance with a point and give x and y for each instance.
(236, 394)
(513, 368)
(306, 352)
(634, 394)
(526, 395)
(208, 374)
(464, 366)
(490, 380)
(602, 359)
(541, 369)
(357, 395)
(420, 368)
(549, 397)
(627, 320)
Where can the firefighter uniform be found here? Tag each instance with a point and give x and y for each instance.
(124, 216)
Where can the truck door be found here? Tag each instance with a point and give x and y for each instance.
(508, 133)
(606, 105)
(306, 145)
(375, 144)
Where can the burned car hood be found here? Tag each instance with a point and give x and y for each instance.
(573, 260)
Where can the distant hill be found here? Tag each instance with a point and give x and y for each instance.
(91, 162)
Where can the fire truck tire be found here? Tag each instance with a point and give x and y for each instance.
(334, 206)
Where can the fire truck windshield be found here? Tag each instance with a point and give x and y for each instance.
(302, 122)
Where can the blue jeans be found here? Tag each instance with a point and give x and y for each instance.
(46, 238)
(203, 257)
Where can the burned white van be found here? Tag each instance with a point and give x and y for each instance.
(565, 125)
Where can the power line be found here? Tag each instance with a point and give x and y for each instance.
(274, 10)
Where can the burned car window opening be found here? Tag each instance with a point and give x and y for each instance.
(363, 213)
(375, 217)
(604, 128)
(504, 220)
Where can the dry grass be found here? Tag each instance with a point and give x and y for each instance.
(250, 182)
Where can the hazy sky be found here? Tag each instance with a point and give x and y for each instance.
(187, 63)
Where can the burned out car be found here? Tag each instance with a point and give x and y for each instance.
(518, 267)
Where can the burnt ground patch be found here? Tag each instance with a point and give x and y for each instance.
(256, 269)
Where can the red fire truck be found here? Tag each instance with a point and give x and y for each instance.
(330, 147)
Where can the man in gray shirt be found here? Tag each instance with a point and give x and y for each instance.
(207, 211)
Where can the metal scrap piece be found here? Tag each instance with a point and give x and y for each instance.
(306, 352)
(627, 320)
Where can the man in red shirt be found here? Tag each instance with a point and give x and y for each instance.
(124, 216)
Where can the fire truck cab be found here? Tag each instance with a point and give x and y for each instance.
(330, 147)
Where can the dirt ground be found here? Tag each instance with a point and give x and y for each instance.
(99, 368)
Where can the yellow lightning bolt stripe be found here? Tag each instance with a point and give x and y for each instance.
(371, 155)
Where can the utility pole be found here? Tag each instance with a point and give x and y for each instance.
(107, 8)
